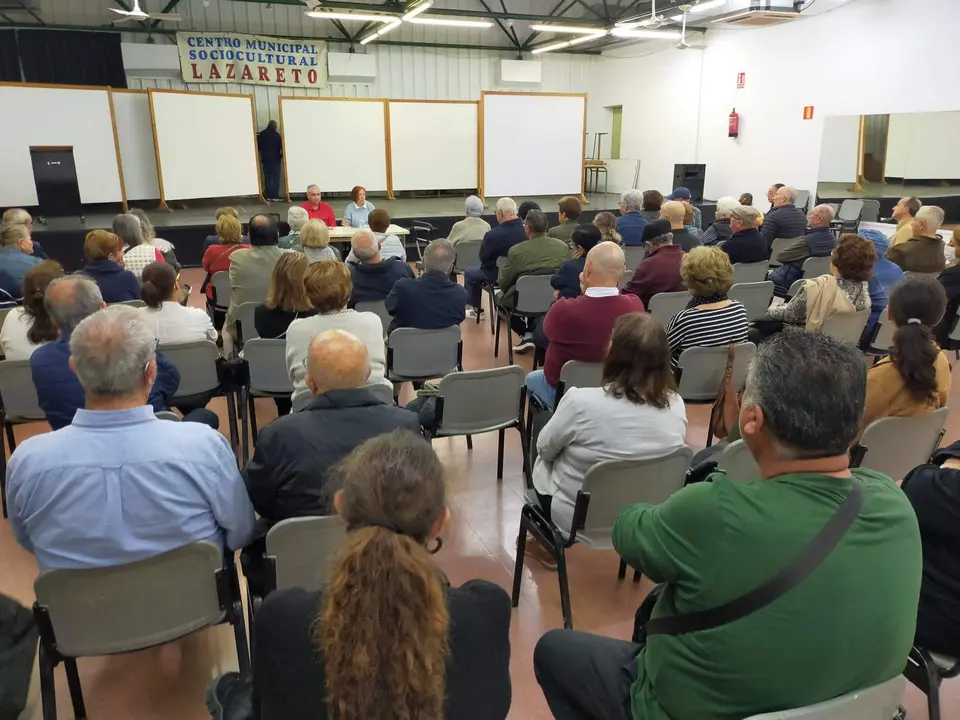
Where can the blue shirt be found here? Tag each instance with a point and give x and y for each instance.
(356, 215)
(15, 262)
(630, 227)
(120, 486)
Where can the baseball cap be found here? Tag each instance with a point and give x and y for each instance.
(680, 193)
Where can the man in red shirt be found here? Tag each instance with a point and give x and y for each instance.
(579, 328)
(660, 269)
(318, 210)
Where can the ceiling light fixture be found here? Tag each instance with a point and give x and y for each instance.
(550, 48)
(319, 15)
(382, 31)
(588, 38)
(451, 23)
(568, 29)
(410, 14)
(645, 34)
(708, 5)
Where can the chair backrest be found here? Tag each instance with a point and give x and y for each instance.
(795, 287)
(871, 211)
(835, 207)
(468, 255)
(846, 327)
(663, 306)
(615, 484)
(423, 354)
(131, 303)
(803, 198)
(737, 462)
(197, 363)
(896, 445)
(883, 334)
(221, 290)
(914, 273)
(850, 210)
(245, 322)
(267, 364)
(534, 295)
(624, 279)
(18, 395)
(816, 266)
(750, 272)
(167, 415)
(880, 702)
(755, 297)
(778, 246)
(479, 401)
(129, 607)
(381, 391)
(301, 549)
(703, 370)
(575, 373)
(634, 254)
(378, 308)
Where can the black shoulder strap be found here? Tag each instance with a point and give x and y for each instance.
(796, 572)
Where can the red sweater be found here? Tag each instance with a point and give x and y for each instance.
(217, 258)
(579, 329)
(323, 212)
(659, 272)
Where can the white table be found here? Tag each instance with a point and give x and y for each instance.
(345, 233)
(888, 229)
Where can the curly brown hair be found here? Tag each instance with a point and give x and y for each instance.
(328, 285)
(384, 614)
(853, 257)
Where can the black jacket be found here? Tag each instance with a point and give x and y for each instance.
(374, 282)
(287, 476)
(746, 246)
(786, 221)
(432, 302)
(685, 239)
(271, 146)
(567, 278)
(498, 241)
(950, 279)
(115, 283)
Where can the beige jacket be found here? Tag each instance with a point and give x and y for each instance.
(250, 271)
(887, 396)
(825, 298)
(904, 232)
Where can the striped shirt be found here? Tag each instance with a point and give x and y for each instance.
(694, 327)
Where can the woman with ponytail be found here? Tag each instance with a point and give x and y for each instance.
(388, 638)
(27, 328)
(915, 378)
(160, 290)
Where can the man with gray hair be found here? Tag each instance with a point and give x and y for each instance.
(746, 244)
(817, 241)
(800, 414)
(296, 217)
(373, 276)
(317, 209)
(719, 230)
(433, 301)
(496, 244)
(472, 228)
(119, 485)
(924, 252)
(630, 224)
(784, 219)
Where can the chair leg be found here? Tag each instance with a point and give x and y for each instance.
(469, 442)
(3, 489)
(48, 691)
(510, 338)
(518, 568)
(232, 420)
(240, 637)
(254, 432)
(244, 427)
(622, 572)
(76, 693)
(11, 438)
(525, 453)
(564, 586)
(493, 307)
(500, 438)
(496, 338)
(637, 575)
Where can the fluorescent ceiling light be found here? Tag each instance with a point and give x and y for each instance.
(317, 15)
(548, 48)
(451, 22)
(588, 38)
(567, 29)
(645, 34)
(382, 31)
(425, 5)
(708, 5)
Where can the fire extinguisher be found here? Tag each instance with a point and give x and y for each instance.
(733, 126)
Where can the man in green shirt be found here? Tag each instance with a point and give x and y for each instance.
(847, 626)
(568, 213)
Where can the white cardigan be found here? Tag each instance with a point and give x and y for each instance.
(175, 324)
(589, 426)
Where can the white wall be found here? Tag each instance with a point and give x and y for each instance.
(924, 146)
(838, 150)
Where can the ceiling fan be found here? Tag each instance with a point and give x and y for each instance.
(654, 22)
(683, 44)
(138, 14)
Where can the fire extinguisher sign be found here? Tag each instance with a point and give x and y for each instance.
(741, 80)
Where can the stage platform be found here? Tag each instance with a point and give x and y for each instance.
(946, 197)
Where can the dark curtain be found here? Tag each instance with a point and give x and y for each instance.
(9, 62)
(69, 57)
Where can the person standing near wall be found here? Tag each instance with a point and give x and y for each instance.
(270, 145)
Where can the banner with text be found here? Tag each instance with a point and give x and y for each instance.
(211, 57)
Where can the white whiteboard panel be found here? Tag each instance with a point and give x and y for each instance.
(58, 117)
(838, 152)
(533, 144)
(899, 139)
(137, 153)
(205, 144)
(935, 153)
(433, 146)
(335, 144)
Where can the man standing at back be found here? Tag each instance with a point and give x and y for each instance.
(785, 220)
(818, 241)
(118, 485)
(270, 145)
(374, 276)
(496, 244)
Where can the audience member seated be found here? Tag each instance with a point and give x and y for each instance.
(772, 195)
(652, 205)
(915, 378)
(496, 244)
(713, 542)
(719, 230)
(473, 227)
(296, 217)
(579, 328)
(631, 222)
(673, 212)
(27, 328)
(137, 252)
(818, 241)
(885, 275)
(923, 253)
(358, 211)
(286, 300)
(747, 198)
(784, 219)
(327, 284)
(444, 653)
(118, 485)
(150, 238)
(683, 195)
(568, 214)
(710, 318)
(19, 216)
(950, 279)
(539, 254)
(315, 242)
(525, 207)
(636, 414)
(172, 322)
(251, 269)
(933, 489)
(103, 252)
(373, 276)
(688, 218)
(659, 271)
(746, 244)
(846, 291)
(16, 250)
(391, 247)
(216, 258)
(317, 209)
(215, 238)
(433, 301)
(904, 212)
(606, 222)
(566, 281)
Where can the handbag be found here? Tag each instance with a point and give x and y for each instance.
(726, 407)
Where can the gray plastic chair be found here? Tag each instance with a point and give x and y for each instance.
(300, 550)
(882, 340)
(415, 355)
(534, 298)
(481, 401)
(167, 415)
(750, 272)
(927, 671)
(633, 255)
(106, 611)
(490, 290)
(815, 267)
(131, 303)
(579, 375)
(754, 296)
(880, 702)
(846, 327)
(871, 211)
(795, 287)
(896, 445)
(381, 391)
(378, 308)
(777, 247)
(246, 327)
(803, 199)
(608, 487)
(267, 367)
(663, 306)
(703, 370)
(18, 405)
(848, 216)
(221, 290)
(738, 464)
(624, 279)
(468, 255)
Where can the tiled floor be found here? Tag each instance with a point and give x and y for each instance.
(168, 683)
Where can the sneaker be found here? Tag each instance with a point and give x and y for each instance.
(474, 312)
(219, 692)
(525, 346)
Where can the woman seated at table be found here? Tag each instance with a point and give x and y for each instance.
(635, 415)
(27, 328)
(357, 213)
(710, 318)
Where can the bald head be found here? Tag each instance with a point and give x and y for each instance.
(820, 217)
(336, 360)
(604, 267)
(365, 246)
(673, 213)
(70, 299)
